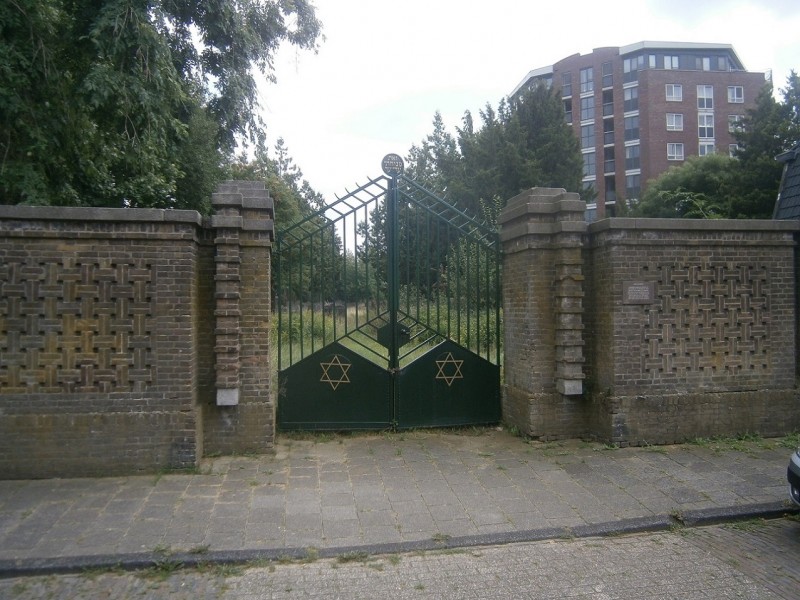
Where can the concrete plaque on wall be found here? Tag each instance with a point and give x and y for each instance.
(638, 292)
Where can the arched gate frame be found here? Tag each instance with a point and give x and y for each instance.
(388, 313)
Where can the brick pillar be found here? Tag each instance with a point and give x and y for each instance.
(542, 234)
(227, 221)
(245, 418)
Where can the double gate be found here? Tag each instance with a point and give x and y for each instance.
(388, 312)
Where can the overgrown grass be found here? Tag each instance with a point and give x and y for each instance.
(303, 332)
(747, 442)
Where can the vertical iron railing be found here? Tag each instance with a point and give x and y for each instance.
(342, 271)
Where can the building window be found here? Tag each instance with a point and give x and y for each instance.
(609, 163)
(608, 131)
(631, 128)
(587, 108)
(608, 74)
(674, 92)
(589, 167)
(633, 187)
(631, 99)
(674, 151)
(587, 136)
(705, 125)
(705, 97)
(632, 157)
(587, 80)
(611, 189)
(652, 61)
(704, 63)
(608, 103)
(735, 94)
(735, 123)
(566, 84)
(568, 109)
(706, 148)
(671, 62)
(723, 64)
(674, 121)
(732, 150)
(631, 67)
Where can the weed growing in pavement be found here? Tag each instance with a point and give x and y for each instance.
(440, 538)
(394, 559)
(228, 570)
(94, 572)
(312, 554)
(790, 441)
(746, 442)
(199, 549)
(794, 517)
(161, 569)
(354, 556)
(748, 525)
(19, 588)
(608, 446)
(455, 551)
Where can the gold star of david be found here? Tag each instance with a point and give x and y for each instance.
(449, 369)
(338, 369)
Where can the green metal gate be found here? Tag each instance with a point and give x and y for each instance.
(388, 311)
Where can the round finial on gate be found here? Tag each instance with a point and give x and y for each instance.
(392, 165)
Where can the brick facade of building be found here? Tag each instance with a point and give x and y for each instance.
(616, 100)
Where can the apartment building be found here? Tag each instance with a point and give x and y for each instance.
(640, 109)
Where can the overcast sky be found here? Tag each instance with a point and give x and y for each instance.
(386, 67)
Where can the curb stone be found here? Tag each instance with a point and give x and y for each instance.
(146, 560)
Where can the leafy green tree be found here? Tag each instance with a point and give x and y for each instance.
(743, 187)
(699, 188)
(769, 129)
(519, 145)
(133, 102)
(296, 203)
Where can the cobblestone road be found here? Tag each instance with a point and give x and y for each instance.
(756, 560)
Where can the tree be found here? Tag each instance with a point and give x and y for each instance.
(133, 102)
(699, 188)
(519, 145)
(744, 187)
(296, 203)
(768, 130)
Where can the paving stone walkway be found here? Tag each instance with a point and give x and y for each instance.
(378, 489)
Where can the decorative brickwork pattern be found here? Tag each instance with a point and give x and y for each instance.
(112, 325)
(682, 329)
(711, 349)
(710, 318)
(68, 326)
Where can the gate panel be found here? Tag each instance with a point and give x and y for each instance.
(388, 312)
(448, 386)
(335, 388)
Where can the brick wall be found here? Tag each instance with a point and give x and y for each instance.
(541, 236)
(690, 329)
(106, 340)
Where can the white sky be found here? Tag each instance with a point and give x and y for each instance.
(385, 67)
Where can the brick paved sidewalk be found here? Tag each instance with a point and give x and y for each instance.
(348, 491)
